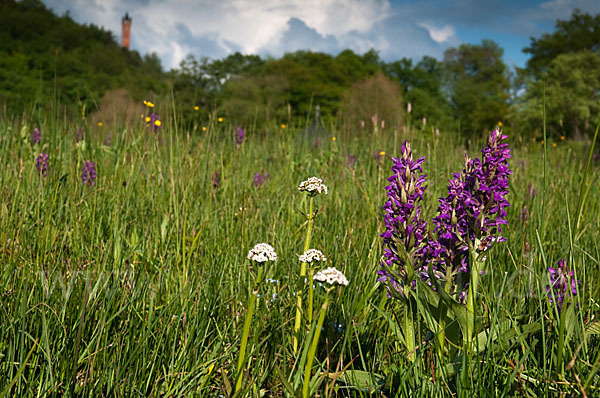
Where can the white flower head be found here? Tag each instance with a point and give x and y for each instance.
(313, 186)
(312, 255)
(332, 276)
(262, 252)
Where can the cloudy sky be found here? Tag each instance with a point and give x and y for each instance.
(395, 28)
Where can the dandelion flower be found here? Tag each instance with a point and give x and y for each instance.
(203, 128)
(562, 137)
(148, 104)
(283, 126)
(382, 153)
(220, 120)
(147, 119)
(333, 138)
(196, 108)
(312, 255)
(331, 276)
(554, 145)
(99, 124)
(313, 186)
(262, 252)
(499, 124)
(157, 123)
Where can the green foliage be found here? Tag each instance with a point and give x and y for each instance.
(46, 59)
(478, 81)
(580, 33)
(572, 96)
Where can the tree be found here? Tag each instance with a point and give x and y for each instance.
(479, 85)
(581, 32)
(572, 95)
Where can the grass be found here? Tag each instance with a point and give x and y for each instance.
(139, 285)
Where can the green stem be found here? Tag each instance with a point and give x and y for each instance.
(409, 331)
(476, 267)
(561, 337)
(309, 315)
(298, 319)
(313, 346)
(246, 330)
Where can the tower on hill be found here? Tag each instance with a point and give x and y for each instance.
(126, 31)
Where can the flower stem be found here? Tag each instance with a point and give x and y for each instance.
(246, 330)
(313, 347)
(298, 319)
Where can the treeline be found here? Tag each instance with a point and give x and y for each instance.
(470, 90)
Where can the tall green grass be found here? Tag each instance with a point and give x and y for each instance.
(138, 286)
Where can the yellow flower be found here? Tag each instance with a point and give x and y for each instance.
(499, 124)
(157, 123)
(554, 144)
(99, 124)
(562, 137)
(203, 128)
(147, 119)
(148, 104)
(333, 138)
(382, 153)
(283, 126)
(210, 368)
(220, 120)
(196, 107)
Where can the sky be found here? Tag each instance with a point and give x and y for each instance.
(395, 28)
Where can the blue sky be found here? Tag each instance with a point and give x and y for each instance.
(395, 28)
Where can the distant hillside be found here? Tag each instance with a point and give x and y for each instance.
(45, 58)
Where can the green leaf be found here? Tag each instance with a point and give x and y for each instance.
(593, 328)
(360, 379)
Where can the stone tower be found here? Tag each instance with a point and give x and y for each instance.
(126, 31)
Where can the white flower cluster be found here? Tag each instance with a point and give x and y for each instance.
(262, 252)
(331, 276)
(312, 255)
(313, 185)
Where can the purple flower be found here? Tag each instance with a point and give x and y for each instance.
(260, 179)
(216, 179)
(562, 284)
(41, 164)
(405, 240)
(240, 136)
(350, 160)
(153, 121)
(88, 173)
(36, 136)
(474, 210)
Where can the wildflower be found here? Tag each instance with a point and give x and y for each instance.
(409, 108)
(313, 186)
(153, 121)
(554, 145)
(474, 209)
(216, 179)
(562, 284)
(148, 104)
(196, 108)
(499, 124)
(362, 124)
(220, 120)
(331, 276)
(240, 136)
(260, 179)
(405, 238)
(100, 124)
(36, 136)
(157, 123)
(88, 173)
(283, 126)
(147, 119)
(333, 139)
(41, 164)
(262, 252)
(424, 121)
(312, 255)
(382, 153)
(350, 160)
(203, 128)
(562, 137)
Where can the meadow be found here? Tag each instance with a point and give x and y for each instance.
(136, 281)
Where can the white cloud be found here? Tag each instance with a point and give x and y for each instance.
(244, 25)
(439, 35)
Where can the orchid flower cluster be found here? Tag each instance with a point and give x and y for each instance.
(562, 284)
(468, 222)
